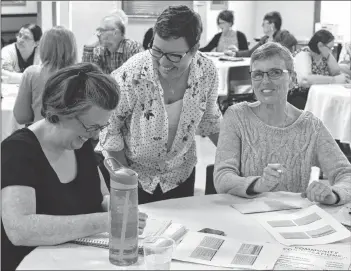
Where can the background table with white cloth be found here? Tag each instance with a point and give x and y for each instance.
(223, 68)
(8, 122)
(332, 105)
(196, 213)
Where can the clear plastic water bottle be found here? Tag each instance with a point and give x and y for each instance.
(123, 243)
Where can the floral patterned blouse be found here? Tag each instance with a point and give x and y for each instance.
(139, 125)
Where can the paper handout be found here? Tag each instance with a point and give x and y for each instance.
(331, 257)
(310, 226)
(266, 204)
(223, 251)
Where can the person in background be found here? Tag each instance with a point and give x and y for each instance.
(228, 38)
(148, 37)
(315, 64)
(52, 191)
(168, 94)
(16, 57)
(109, 48)
(58, 49)
(271, 25)
(270, 145)
(345, 58)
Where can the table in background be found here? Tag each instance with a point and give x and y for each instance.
(332, 105)
(8, 122)
(223, 68)
(196, 213)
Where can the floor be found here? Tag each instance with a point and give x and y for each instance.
(206, 152)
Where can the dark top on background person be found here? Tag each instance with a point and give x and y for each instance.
(223, 40)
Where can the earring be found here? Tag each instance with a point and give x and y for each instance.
(53, 119)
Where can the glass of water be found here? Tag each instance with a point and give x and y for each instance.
(158, 252)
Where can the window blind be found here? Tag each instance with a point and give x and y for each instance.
(150, 8)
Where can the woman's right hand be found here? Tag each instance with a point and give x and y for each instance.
(341, 79)
(270, 179)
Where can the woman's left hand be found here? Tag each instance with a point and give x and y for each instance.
(320, 192)
(142, 222)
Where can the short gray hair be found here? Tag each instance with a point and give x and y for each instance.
(120, 19)
(273, 49)
(58, 48)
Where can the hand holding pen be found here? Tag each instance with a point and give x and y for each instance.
(272, 176)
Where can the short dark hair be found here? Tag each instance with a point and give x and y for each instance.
(35, 29)
(73, 90)
(275, 18)
(226, 15)
(323, 36)
(179, 21)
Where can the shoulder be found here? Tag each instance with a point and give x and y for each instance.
(218, 35)
(203, 63)
(240, 34)
(131, 43)
(21, 144)
(9, 49)
(133, 65)
(237, 112)
(303, 53)
(33, 69)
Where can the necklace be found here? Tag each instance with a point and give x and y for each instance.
(170, 87)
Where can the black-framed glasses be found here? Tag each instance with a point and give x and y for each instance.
(93, 128)
(175, 58)
(272, 74)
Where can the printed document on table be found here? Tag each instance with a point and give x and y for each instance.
(326, 257)
(216, 250)
(310, 226)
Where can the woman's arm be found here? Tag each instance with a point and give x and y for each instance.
(303, 68)
(334, 164)
(227, 177)
(333, 65)
(23, 111)
(212, 44)
(26, 228)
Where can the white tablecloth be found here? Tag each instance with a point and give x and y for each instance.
(332, 104)
(196, 213)
(8, 121)
(223, 72)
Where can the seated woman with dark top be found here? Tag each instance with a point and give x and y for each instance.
(315, 64)
(271, 25)
(16, 57)
(228, 38)
(52, 190)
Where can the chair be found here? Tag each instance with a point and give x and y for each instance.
(210, 189)
(240, 89)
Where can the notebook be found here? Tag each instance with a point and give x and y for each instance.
(154, 227)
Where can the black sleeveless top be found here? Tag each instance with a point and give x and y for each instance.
(25, 64)
(23, 162)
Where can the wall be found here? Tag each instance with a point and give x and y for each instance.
(297, 16)
(30, 7)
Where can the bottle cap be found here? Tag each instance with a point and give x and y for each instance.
(121, 177)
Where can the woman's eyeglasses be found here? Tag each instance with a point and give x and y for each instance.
(24, 37)
(272, 74)
(93, 128)
(175, 58)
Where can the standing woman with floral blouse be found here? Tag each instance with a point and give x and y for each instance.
(168, 93)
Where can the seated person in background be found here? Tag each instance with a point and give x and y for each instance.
(270, 145)
(58, 49)
(168, 93)
(315, 64)
(148, 37)
(228, 38)
(345, 58)
(109, 48)
(272, 23)
(52, 191)
(16, 57)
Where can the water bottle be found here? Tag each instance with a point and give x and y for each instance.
(123, 241)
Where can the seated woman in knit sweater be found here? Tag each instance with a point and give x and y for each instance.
(228, 38)
(271, 145)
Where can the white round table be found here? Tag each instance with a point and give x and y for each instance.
(223, 68)
(332, 105)
(196, 213)
(8, 122)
